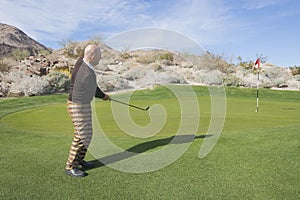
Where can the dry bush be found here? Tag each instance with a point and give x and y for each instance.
(125, 56)
(145, 59)
(295, 70)
(76, 49)
(211, 61)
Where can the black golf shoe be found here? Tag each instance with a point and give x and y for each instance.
(76, 172)
(86, 165)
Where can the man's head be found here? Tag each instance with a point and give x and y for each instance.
(92, 54)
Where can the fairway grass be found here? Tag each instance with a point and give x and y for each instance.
(256, 157)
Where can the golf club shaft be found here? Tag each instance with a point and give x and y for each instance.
(129, 105)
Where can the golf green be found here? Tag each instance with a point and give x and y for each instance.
(256, 156)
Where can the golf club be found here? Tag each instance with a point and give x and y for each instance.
(130, 105)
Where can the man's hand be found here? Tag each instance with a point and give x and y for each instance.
(106, 97)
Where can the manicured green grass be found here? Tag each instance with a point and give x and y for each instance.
(256, 157)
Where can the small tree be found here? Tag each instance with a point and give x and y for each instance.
(263, 59)
(96, 39)
(74, 49)
(65, 42)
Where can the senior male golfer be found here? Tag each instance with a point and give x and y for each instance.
(83, 89)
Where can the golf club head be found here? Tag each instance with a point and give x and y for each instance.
(147, 108)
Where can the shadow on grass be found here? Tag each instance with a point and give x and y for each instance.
(143, 147)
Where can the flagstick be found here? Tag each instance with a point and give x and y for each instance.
(257, 87)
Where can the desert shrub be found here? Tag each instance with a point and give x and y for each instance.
(95, 39)
(136, 73)
(211, 61)
(232, 80)
(23, 85)
(145, 59)
(110, 83)
(166, 56)
(247, 65)
(165, 78)
(125, 55)
(214, 77)
(273, 77)
(295, 70)
(65, 70)
(73, 50)
(208, 77)
(65, 42)
(76, 49)
(20, 54)
(59, 82)
(4, 66)
(44, 52)
(156, 67)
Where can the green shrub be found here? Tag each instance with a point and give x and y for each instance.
(245, 64)
(44, 52)
(59, 81)
(20, 54)
(4, 66)
(76, 49)
(125, 55)
(73, 50)
(166, 56)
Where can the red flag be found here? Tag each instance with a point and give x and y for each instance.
(257, 63)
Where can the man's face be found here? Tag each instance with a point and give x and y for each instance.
(97, 57)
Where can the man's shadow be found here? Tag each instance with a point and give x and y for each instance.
(143, 147)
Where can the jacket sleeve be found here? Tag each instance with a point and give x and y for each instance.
(99, 93)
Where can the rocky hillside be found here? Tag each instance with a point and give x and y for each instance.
(47, 73)
(12, 38)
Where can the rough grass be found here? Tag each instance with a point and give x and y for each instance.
(256, 157)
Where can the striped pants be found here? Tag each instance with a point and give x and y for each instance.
(81, 116)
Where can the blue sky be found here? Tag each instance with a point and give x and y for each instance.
(232, 28)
